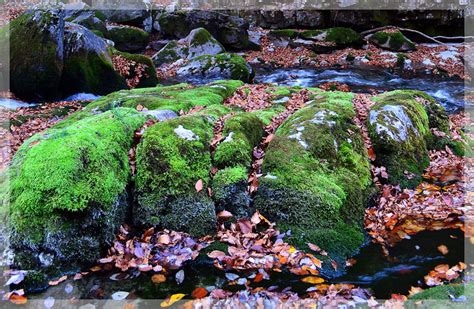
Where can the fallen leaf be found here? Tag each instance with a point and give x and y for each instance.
(224, 215)
(258, 277)
(170, 301)
(158, 278)
(199, 185)
(56, 282)
(199, 293)
(216, 254)
(179, 276)
(164, 239)
(18, 299)
(121, 295)
(443, 249)
(312, 280)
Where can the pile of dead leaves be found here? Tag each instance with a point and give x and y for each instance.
(251, 98)
(22, 123)
(443, 274)
(132, 71)
(153, 251)
(334, 86)
(435, 204)
(255, 244)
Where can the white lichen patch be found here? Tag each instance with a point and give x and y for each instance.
(186, 134)
(392, 121)
(228, 138)
(268, 176)
(297, 136)
(321, 117)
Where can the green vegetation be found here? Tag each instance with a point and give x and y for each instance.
(392, 40)
(284, 33)
(128, 39)
(317, 175)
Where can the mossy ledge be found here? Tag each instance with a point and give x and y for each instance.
(316, 177)
(68, 190)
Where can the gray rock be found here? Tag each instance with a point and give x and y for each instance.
(161, 115)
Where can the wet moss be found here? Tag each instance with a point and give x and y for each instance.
(284, 33)
(317, 177)
(392, 40)
(343, 36)
(231, 66)
(128, 39)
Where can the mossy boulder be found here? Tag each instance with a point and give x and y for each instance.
(128, 39)
(317, 178)
(176, 98)
(36, 54)
(148, 76)
(199, 42)
(340, 36)
(69, 191)
(392, 40)
(232, 157)
(171, 158)
(399, 129)
(221, 66)
(87, 64)
(90, 19)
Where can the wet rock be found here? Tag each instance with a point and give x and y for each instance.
(231, 31)
(87, 64)
(310, 19)
(161, 115)
(395, 41)
(199, 42)
(127, 39)
(147, 71)
(90, 19)
(221, 66)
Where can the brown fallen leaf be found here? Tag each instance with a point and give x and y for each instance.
(443, 249)
(164, 239)
(199, 293)
(56, 282)
(312, 280)
(158, 278)
(224, 215)
(18, 299)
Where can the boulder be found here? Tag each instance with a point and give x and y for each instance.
(229, 30)
(221, 66)
(92, 20)
(87, 64)
(392, 40)
(51, 58)
(128, 39)
(68, 191)
(199, 42)
(148, 77)
(309, 18)
(36, 54)
(316, 177)
(232, 157)
(399, 129)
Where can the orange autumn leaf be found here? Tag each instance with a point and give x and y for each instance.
(170, 301)
(199, 293)
(312, 280)
(443, 249)
(18, 299)
(258, 277)
(56, 282)
(158, 278)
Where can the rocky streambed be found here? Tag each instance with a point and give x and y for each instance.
(234, 175)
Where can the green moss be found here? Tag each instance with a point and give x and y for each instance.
(393, 40)
(266, 115)
(67, 170)
(343, 36)
(168, 54)
(231, 65)
(317, 178)
(243, 132)
(128, 39)
(149, 78)
(176, 98)
(443, 292)
(285, 33)
(168, 167)
(202, 36)
(402, 143)
(401, 58)
(310, 34)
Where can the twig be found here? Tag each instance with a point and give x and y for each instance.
(402, 29)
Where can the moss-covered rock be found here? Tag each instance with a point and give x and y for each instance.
(171, 158)
(68, 190)
(148, 77)
(232, 157)
(399, 129)
(221, 66)
(87, 64)
(36, 50)
(90, 19)
(199, 42)
(128, 39)
(317, 178)
(393, 40)
(436, 295)
(283, 34)
(175, 98)
(340, 36)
